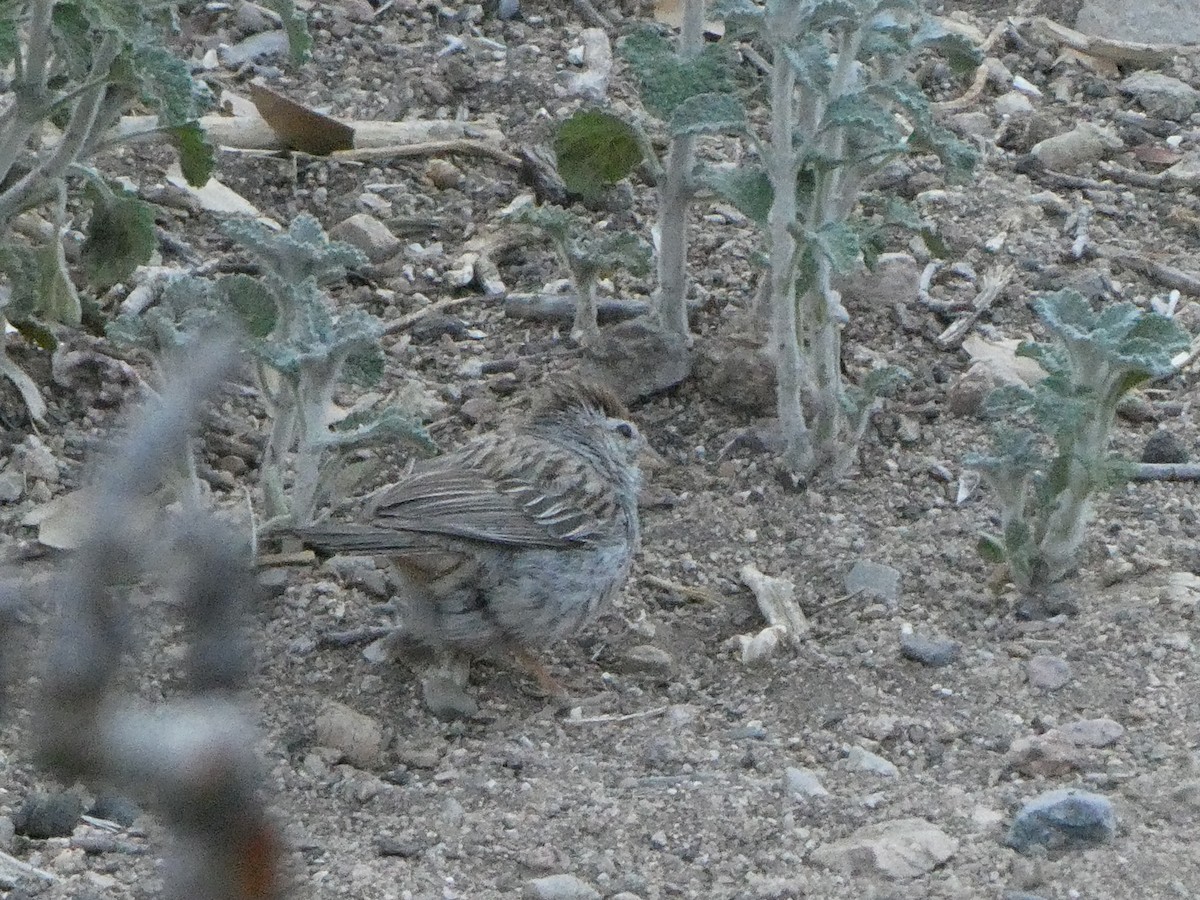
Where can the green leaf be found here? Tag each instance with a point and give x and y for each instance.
(858, 112)
(58, 301)
(120, 237)
(251, 302)
(167, 84)
(708, 114)
(736, 10)
(838, 242)
(665, 79)
(197, 157)
(898, 212)
(747, 187)
(36, 333)
(10, 44)
(959, 52)
(884, 381)
(295, 23)
(811, 60)
(364, 368)
(71, 35)
(595, 149)
(991, 548)
(837, 14)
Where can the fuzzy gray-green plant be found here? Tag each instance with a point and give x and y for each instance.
(76, 66)
(302, 352)
(1045, 498)
(842, 106)
(588, 254)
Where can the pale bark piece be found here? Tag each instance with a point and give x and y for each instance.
(777, 600)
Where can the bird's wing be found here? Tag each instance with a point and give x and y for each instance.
(516, 491)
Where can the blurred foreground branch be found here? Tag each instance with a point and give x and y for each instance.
(191, 760)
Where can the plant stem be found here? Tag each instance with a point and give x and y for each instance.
(675, 196)
(782, 167)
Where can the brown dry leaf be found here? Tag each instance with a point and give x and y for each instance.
(1156, 155)
(300, 127)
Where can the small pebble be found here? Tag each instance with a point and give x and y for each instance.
(559, 887)
(800, 782)
(1047, 672)
(929, 651)
(866, 761)
(1164, 447)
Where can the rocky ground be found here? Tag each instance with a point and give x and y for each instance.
(890, 754)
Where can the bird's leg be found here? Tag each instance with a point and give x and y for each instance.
(534, 667)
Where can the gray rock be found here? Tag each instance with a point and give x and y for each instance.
(646, 659)
(447, 698)
(874, 580)
(738, 375)
(44, 816)
(1162, 96)
(1164, 447)
(929, 651)
(12, 486)
(973, 124)
(638, 359)
(899, 849)
(559, 887)
(866, 761)
(1085, 143)
(7, 832)
(1046, 755)
(1014, 103)
(357, 736)
(36, 460)
(369, 235)
(1047, 672)
(1063, 818)
(801, 782)
(508, 9)
(360, 572)
(1147, 21)
(1093, 732)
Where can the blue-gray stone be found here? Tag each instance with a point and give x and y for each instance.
(1063, 818)
(929, 651)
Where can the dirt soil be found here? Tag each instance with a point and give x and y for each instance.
(669, 778)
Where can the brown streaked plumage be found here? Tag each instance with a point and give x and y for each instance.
(516, 539)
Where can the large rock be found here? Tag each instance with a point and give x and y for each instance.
(901, 848)
(638, 359)
(1148, 21)
(1063, 818)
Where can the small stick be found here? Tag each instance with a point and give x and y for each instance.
(994, 281)
(465, 146)
(405, 322)
(1167, 276)
(592, 15)
(702, 595)
(1165, 472)
(628, 717)
(363, 635)
(25, 868)
(972, 93)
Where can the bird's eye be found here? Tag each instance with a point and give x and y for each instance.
(625, 430)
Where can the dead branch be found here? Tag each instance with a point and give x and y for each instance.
(994, 283)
